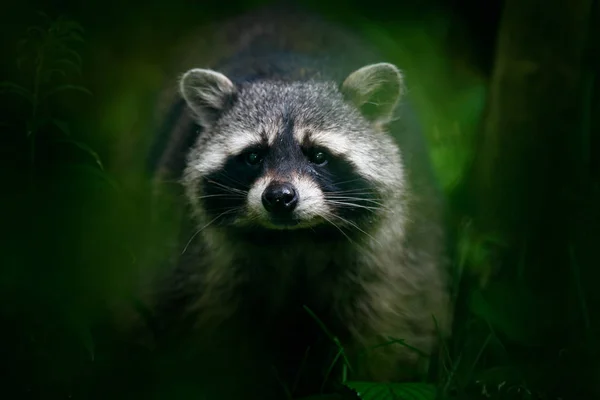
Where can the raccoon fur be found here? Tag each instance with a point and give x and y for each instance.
(311, 216)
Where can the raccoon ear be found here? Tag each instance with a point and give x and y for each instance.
(207, 93)
(375, 90)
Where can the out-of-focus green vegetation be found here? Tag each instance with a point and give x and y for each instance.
(450, 104)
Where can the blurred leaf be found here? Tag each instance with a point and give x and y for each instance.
(37, 123)
(22, 43)
(43, 15)
(49, 72)
(497, 375)
(13, 88)
(512, 310)
(70, 25)
(389, 391)
(20, 61)
(475, 250)
(63, 88)
(74, 37)
(36, 29)
(63, 126)
(88, 342)
(73, 54)
(68, 63)
(83, 147)
(85, 172)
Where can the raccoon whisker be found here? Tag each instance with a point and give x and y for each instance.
(253, 218)
(355, 226)
(223, 208)
(229, 188)
(353, 205)
(338, 228)
(359, 189)
(355, 202)
(355, 199)
(351, 181)
(207, 225)
(227, 176)
(362, 195)
(365, 191)
(229, 196)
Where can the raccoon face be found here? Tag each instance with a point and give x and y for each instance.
(292, 155)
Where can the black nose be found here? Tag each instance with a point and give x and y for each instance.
(280, 198)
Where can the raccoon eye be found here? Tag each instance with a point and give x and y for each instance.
(253, 158)
(318, 157)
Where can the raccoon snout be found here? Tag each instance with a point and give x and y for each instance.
(280, 198)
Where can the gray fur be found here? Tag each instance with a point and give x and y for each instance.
(380, 83)
(206, 93)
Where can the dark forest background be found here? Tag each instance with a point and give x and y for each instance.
(509, 96)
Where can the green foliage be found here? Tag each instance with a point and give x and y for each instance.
(47, 56)
(56, 300)
(449, 113)
(519, 317)
(393, 391)
(475, 250)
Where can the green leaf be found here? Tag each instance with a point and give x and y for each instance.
(70, 25)
(36, 29)
(333, 338)
(514, 311)
(43, 15)
(22, 43)
(390, 391)
(49, 72)
(63, 126)
(87, 341)
(72, 54)
(83, 147)
(86, 171)
(13, 88)
(73, 37)
(68, 63)
(497, 375)
(63, 88)
(20, 62)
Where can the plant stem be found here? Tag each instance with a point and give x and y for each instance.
(34, 115)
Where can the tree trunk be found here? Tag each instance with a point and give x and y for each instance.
(529, 144)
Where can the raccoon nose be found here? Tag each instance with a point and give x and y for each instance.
(280, 198)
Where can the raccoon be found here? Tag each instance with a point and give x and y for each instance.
(313, 227)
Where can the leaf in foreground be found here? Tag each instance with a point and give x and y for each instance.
(82, 146)
(393, 391)
(13, 88)
(63, 88)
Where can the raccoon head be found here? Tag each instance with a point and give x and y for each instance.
(293, 155)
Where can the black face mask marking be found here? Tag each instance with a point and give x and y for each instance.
(351, 197)
(347, 193)
(285, 157)
(225, 192)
